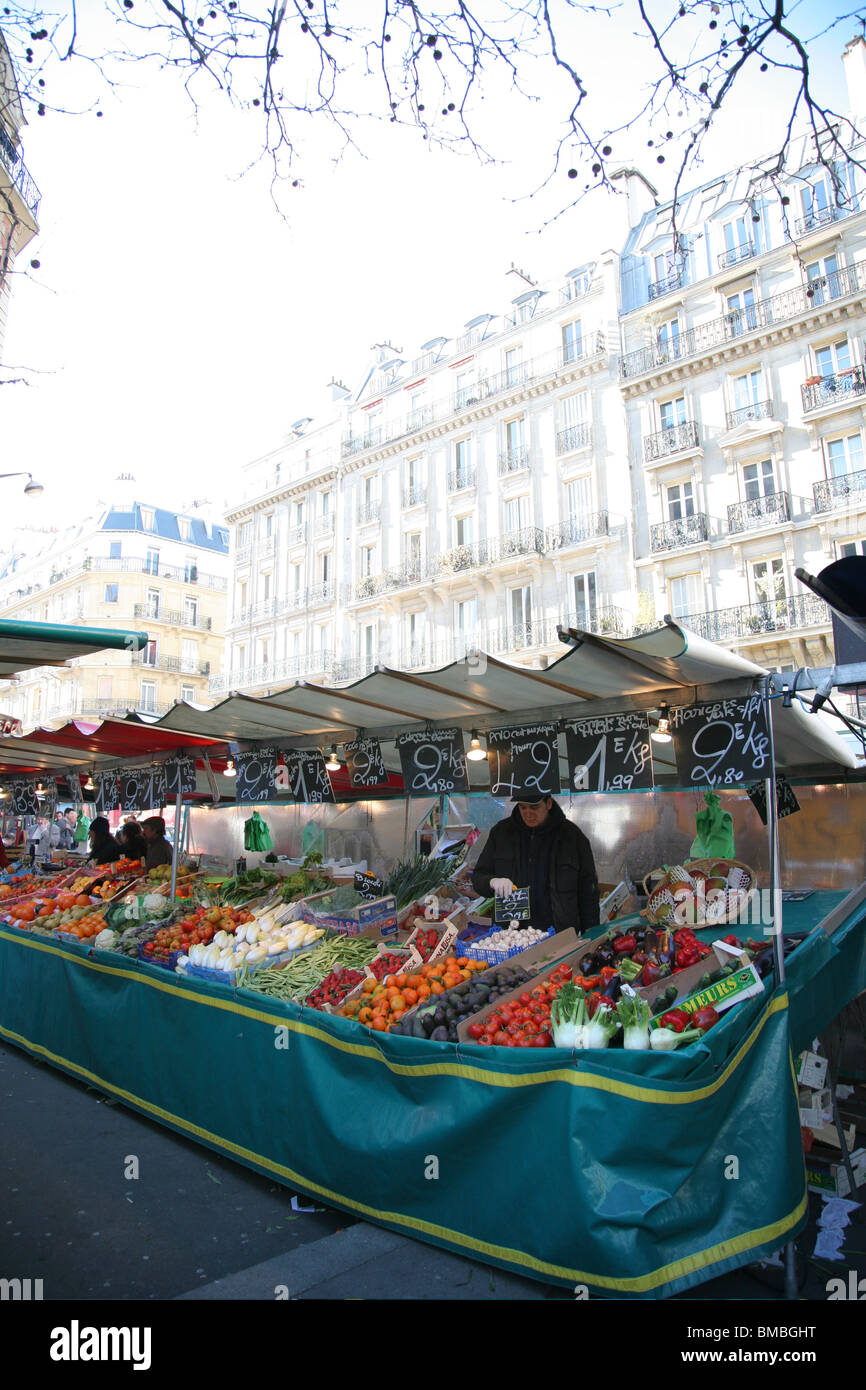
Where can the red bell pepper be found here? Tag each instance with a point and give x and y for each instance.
(704, 1018)
(625, 944)
(676, 1019)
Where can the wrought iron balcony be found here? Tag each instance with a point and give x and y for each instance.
(765, 313)
(529, 540)
(324, 525)
(242, 554)
(296, 535)
(818, 217)
(266, 546)
(670, 441)
(670, 282)
(467, 396)
(758, 410)
(756, 619)
(839, 491)
(418, 418)
(457, 560)
(606, 620)
(574, 437)
(18, 172)
(266, 608)
(735, 254)
(830, 390)
(759, 511)
(577, 530)
(171, 615)
(295, 601)
(673, 535)
(513, 461)
(415, 495)
(461, 478)
(368, 512)
(356, 444)
(321, 593)
(351, 668)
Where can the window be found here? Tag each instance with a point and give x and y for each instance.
(747, 390)
(147, 697)
(413, 474)
(264, 651)
(187, 693)
(516, 513)
(577, 284)
(845, 455)
(768, 580)
(833, 359)
(673, 413)
(325, 567)
(268, 525)
(114, 550)
(418, 412)
(369, 489)
(324, 643)
(816, 204)
(847, 548)
(368, 561)
(413, 554)
(736, 235)
(664, 264)
(183, 528)
(190, 570)
(245, 531)
(463, 530)
(298, 514)
(147, 518)
(368, 642)
(572, 341)
(578, 499)
(296, 640)
(465, 392)
(466, 617)
(668, 339)
(326, 503)
(265, 586)
(416, 624)
(574, 410)
(514, 440)
(758, 480)
(110, 593)
(822, 278)
(514, 366)
(153, 603)
(742, 314)
(520, 613)
(104, 687)
(242, 657)
(584, 594)
(188, 654)
(680, 501)
(463, 462)
(297, 578)
(190, 612)
(151, 564)
(242, 596)
(686, 596)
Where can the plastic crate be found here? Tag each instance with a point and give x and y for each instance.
(166, 964)
(476, 950)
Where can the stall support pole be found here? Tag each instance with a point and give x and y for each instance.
(176, 846)
(775, 925)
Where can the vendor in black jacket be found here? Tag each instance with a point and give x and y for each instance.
(538, 848)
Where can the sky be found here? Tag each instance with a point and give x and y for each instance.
(179, 323)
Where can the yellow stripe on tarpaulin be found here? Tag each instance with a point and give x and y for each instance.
(645, 1283)
(570, 1075)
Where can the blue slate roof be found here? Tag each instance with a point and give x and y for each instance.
(165, 527)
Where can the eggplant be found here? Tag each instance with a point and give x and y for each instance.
(590, 964)
(439, 1035)
(613, 988)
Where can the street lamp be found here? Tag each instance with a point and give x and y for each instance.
(31, 489)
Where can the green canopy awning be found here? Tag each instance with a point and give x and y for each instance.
(26, 645)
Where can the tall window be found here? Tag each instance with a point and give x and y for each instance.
(152, 604)
(190, 612)
(241, 654)
(104, 687)
(742, 314)
(574, 410)
(368, 643)
(466, 617)
(514, 366)
(147, 518)
(187, 693)
(768, 580)
(151, 564)
(268, 525)
(324, 641)
(680, 501)
(416, 624)
(673, 413)
(297, 578)
(736, 235)
(516, 513)
(823, 279)
(245, 531)
(369, 489)
(816, 203)
(368, 556)
(572, 341)
(183, 528)
(686, 596)
(413, 554)
(758, 480)
(110, 595)
(264, 651)
(832, 359)
(747, 390)
(584, 598)
(147, 697)
(520, 612)
(327, 503)
(325, 566)
(190, 570)
(845, 455)
(242, 596)
(463, 462)
(668, 338)
(578, 499)
(664, 264)
(514, 440)
(265, 586)
(463, 530)
(298, 514)
(188, 654)
(465, 393)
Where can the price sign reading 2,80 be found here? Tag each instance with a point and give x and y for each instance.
(722, 744)
(433, 762)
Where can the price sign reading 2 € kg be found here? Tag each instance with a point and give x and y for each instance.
(610, 753)
(433, 763)
(723, 744)
(523, 761)
(256, 776)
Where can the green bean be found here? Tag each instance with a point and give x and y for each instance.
(303, 974)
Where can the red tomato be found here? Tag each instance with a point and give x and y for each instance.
(500, 1039)
(476, 1030)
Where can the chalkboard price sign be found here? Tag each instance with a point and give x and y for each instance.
(135, 788)
(73, 782)
(157, 784)
(25, 802)
(786, 802)
(308, 776)
(515, 907)
(523, 761)
(610, 753)
(723, 744)
(369, 887)
(433, 763)
(256, 778)
(179, 776)
(106, 794)
(365, 763)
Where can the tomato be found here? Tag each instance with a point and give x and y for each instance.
(542, 1040)
(523, 1042)
(500, 1039)
(512, 1028)
(525, 999)
(485, 1039)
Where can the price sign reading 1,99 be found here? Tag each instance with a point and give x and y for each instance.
(433, 762)
(609, 753)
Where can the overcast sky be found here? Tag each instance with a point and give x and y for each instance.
(178, 324)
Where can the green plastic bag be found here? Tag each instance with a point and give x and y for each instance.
(715, 827)
(82, 829)
(257, 837)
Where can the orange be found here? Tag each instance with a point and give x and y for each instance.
(401, 981)
(423, 990)
(369, 985)
(410, 996)
(379, 1024)
(436, 988)
(82, 900)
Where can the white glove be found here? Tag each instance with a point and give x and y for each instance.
(502, 887)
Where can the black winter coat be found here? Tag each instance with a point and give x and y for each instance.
(572, 875)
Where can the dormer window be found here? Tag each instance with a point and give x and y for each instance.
(183, 527)
(147, 518)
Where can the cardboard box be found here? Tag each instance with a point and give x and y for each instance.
(827, 1134)
(615, 900)
(816, 1108)
(826, 1175)
(688, 980)
(378, 916)
(811, 1070)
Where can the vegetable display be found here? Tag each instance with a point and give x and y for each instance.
(383, 1003)
(297, 979)
(414, 878)
(441, 1019)
(334, 988)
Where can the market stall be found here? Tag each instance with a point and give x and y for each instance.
(605, 1169)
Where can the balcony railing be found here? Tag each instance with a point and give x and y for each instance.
(99, 708)
(574, 437)
(831, 389)
(670, 441)
(266, 546)
(321, 593)
(513, 461)
(295, 601)
(171, 615)
(673, 535)
(759, 511)
(460, 478)
(606, 620)
(754, 619)
(18, 172)
(324, 525)
(185, 574)
(818, 217)
(839, 491)
(664, 286)
(529, 540)
(758, 410)
(765, 313)
(576, 530)
(735, 254)
(296, 535)
(367, 512)
(415, 495)
(356, 444)
(267, 608)
(458, 560)
(242, 554)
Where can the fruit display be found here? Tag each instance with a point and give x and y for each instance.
(162, 873)
(334, 988)
(440, 1020)
(388, 963)
(706, 892)
(383, 1003)
(297, 979)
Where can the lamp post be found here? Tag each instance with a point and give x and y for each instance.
(31, 489)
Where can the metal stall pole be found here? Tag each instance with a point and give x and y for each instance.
(775, 923)
(176, 846)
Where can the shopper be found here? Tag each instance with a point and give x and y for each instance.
(104, 849)
(64, 831)
(159, 850)
(538, 848)
(132, 840)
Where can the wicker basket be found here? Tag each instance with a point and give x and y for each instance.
(658, 892)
